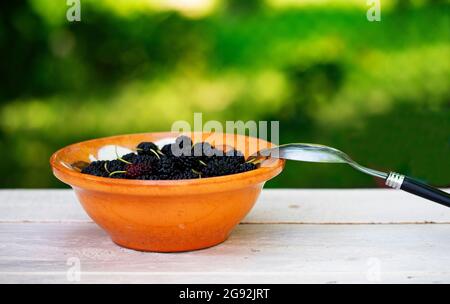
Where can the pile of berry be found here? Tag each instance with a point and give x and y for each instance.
(189, 161)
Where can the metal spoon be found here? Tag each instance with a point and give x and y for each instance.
(323, 154)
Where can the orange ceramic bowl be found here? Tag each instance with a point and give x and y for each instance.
(165, 215)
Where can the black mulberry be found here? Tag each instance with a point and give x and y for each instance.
(151, 163)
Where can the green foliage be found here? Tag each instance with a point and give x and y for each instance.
(379, 91)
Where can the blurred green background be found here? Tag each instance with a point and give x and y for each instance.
(377, 90)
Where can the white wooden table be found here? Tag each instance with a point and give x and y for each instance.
(291, 236)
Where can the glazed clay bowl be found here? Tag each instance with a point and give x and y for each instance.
(165, 215)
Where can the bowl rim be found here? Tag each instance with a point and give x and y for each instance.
(78, 179)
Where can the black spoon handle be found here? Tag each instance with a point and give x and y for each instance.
(418, 188)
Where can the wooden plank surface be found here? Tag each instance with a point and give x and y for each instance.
(270, 253)
(291, 236)
(274, 206)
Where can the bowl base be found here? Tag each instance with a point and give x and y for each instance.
(166, 248)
